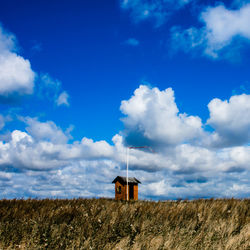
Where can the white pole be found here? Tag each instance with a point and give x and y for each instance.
(127, 169)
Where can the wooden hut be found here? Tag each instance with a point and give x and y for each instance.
(121, 188)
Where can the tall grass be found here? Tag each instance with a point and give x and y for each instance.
(108, 224)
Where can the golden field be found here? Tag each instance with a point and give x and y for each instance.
(109, 224)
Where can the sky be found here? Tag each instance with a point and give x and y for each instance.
(81, 81)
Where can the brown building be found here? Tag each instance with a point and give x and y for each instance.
(121, 188)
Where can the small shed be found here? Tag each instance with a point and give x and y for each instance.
(121, 188)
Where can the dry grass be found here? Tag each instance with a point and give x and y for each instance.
(107, 224)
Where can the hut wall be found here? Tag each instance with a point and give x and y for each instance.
(123, 194)
(119, 196)
(136, 192)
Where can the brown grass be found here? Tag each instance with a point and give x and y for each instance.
(107, 224)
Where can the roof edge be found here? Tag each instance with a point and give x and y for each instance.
(123, 179)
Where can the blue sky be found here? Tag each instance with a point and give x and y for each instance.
(82, 80)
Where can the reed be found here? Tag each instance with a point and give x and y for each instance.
(109, 224)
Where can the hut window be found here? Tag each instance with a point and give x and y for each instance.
(119, 189)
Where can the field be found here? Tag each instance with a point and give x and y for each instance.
(108, 224)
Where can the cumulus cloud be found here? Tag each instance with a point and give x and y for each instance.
(223, 28)
(16, 75)
(152, 116)
(79, 179)
(221, 185)
(48, 131)
(182, 164)
(17, 78)
(25, 151)
(45, 146)
(230, 119)
(180, 140)
(157, 10)
(7, 41)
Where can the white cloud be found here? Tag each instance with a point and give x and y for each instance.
(17, 78)
(49, 82)
(50, 89)
(230, 119)
(45, 131)
(24, 151)
(63, 99)
(7, 41)
(222, 29)
(222, 25)
(99, 149)
(45, 147)
(132, 42)
(182, 144)
(79, 179)
(153, 116)
(222, 185)
(16, 75)
(157, 10)
(182, 164)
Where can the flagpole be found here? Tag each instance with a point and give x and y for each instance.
(136, 147)
(127, 169)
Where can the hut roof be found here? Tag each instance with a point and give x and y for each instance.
(123, 180)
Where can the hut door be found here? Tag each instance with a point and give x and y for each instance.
(131, 192)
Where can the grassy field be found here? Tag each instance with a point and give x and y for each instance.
(107, 224)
